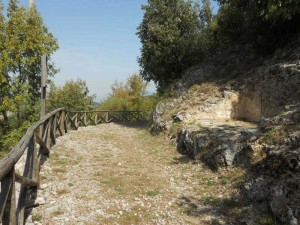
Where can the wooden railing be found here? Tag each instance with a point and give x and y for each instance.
(36, 143)
(84, 118)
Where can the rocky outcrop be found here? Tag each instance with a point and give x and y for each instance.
(223, 146)
(204, 119)
(276, 178)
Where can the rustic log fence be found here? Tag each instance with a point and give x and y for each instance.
(37, 141)
(87, 118)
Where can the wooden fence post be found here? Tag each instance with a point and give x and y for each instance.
(9, 199)
(31, 170)
(66, 121)
(96, 118)
(106, 117)
(43, 86)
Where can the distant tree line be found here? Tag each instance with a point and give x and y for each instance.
(178, 34)
(130, 95)
(23, 40)
(75, 96)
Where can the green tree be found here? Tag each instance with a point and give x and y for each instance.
(206, 14)
(4, 79)
(23, 40)
(15, 32)
(265, 24)
(136, 88)
(74, 96)
(27, 40)
(169, 34)
(38, 41)
(129, 96)
(12, 7)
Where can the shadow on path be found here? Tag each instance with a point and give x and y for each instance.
(144, 124)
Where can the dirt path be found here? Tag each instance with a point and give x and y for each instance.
(115, 174)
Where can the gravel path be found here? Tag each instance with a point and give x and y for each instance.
(116, 174)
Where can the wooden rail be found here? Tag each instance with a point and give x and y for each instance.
(86, 118)
(37, 141)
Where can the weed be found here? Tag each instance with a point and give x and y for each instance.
(277, 134)
(156, 149)
(194, 88)
(224, 180)
(266, 221)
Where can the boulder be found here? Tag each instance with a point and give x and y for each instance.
(216, 146)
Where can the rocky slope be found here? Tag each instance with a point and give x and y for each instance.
(239, 110)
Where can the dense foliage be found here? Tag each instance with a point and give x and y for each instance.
(171, 37)
(74, 96)
(23, 40)
(129, 96)
(178, 34)
(264, 24)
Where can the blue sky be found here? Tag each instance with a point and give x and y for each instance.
(97, 40)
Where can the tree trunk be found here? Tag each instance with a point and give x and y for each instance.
(5, 121)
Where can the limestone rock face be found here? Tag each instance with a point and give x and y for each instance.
(216, 146)
(277, 176)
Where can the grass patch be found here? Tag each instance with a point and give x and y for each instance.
(37, 218)
(43, 177)
(275, 135)
(60, 170)
(54, 156)
(97, 174)
(62, 191)
(156, 149)
(153, 193)
(64, 161)
(61, 161)
(125, 218)
(266, 221)
(224, 180)
(120, 191)
(131, 217)
(105, 181)
(211, 199)
(209, 181)
(58, 212)
(174, 128)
